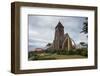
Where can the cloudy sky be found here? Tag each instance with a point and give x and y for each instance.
(42, 29)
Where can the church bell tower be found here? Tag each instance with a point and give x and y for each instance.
(59, 36)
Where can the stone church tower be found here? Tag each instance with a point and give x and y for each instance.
(59, 36)
(62, 41)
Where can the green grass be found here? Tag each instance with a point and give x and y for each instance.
(49, 56)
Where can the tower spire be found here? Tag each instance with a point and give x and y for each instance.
(59, 25)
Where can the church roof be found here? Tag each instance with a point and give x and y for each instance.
(59, 25)
(66, 35)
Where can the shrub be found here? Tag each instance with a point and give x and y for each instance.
(78, 51)
(61, 52)
(71, 52)
(52, 51)
(82, 51)
(30, 54)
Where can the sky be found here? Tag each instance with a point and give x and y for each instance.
(42, 29)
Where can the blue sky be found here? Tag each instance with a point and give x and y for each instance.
(42, 29)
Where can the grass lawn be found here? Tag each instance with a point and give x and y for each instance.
(48, 56)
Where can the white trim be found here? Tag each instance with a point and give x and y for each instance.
(25, 64)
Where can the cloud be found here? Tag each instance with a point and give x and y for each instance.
(42, 29)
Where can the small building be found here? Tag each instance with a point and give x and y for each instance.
(39, 50)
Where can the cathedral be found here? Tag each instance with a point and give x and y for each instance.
(62, 41)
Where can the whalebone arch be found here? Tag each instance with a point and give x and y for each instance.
(68, 43)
